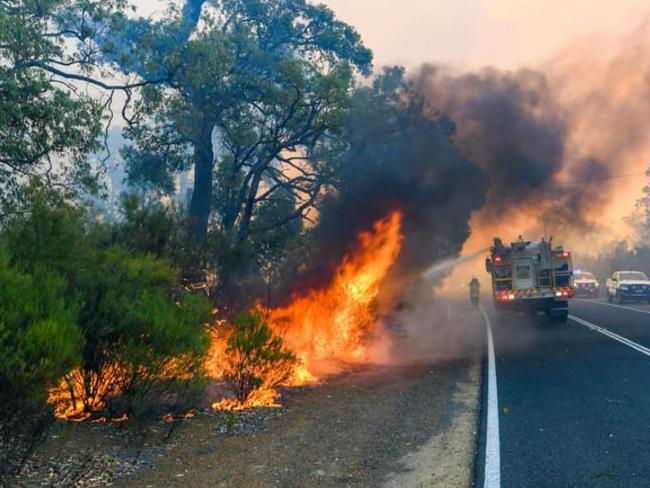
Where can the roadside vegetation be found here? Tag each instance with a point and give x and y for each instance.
(257, 360)
(109, 290)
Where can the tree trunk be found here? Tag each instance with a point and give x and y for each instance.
(233, 203)
(245, 225)
(200, 204)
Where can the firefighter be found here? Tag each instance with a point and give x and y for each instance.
(474, 290)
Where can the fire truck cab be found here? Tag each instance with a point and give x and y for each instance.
(532, 277)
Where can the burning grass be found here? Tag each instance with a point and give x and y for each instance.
(321, 327)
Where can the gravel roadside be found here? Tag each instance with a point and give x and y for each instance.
(399, 426)
(409, 426)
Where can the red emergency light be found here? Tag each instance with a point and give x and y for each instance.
(505, 296)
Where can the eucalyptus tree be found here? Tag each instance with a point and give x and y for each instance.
(54, 88)
(255, 89)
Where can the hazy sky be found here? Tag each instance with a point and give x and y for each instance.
(473, 33)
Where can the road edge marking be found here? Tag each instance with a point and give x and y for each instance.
(611, 335)
(492, 477)
(613, 305)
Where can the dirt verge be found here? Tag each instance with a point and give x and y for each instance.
(411, 426)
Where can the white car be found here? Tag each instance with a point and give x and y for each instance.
(585, 283)
(628, 285)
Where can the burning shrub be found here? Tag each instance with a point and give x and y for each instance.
(256, 360)
(324, 326)
(141, 340)
(39, 342)
(144, 337)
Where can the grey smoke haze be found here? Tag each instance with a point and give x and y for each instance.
(554, 139)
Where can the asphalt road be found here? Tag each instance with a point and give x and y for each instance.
(573, 400)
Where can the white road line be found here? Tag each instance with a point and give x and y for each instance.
(612, 335)
(614, 305)
(492, 447)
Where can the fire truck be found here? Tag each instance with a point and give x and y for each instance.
(531, 277)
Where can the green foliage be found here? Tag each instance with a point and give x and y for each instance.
(231, 419)
(270, 77)
(39, 340)
(147, 228)
(141, 331)
(47, 232)
(280, 252)
(141, 335)
(39, 343)
(257, 360)
(48, 127)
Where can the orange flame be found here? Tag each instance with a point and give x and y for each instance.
(333, 324)
(79, 395)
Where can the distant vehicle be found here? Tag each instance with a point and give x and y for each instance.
(474, 291)
(531, 276)
(585, 283)
(628, 285)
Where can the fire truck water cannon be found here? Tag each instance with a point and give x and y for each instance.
(532, 277)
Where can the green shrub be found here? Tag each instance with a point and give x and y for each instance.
(144, 337)
(47, 232)
(257, 360)
(39, 343)
(39, 338)
(147, 227)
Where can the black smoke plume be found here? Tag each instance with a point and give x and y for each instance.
(512, 125)
(398, 156)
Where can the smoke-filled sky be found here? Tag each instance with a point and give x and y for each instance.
(544, 93)
(550, 98)
(476, 33)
